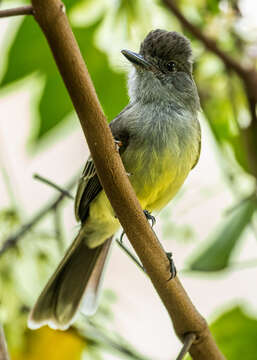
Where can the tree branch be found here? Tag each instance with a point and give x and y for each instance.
(23, 10)
(12, 240)
(189, 339)
(53, 22)
(3, 347)
(53, 185)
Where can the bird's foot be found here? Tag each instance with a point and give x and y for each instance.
(173, 270)
(150, 217)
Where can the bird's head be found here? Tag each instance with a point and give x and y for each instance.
(162, 68)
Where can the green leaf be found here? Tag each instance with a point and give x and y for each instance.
(30, 54)
(213, 6)
(223, 100)
(216, 256)
(235, 333)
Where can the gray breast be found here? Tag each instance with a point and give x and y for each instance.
(163, 128)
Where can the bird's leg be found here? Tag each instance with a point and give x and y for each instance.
(173, 270)
(150, 217)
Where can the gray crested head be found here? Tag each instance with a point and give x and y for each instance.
(162, 70)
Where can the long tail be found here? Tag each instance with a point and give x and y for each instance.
(77, 278)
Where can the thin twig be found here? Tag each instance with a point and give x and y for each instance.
(12, 240)
(99, 336)
(58, 228)
(3, 347)
(189, 339)
(22, 10)
(53, 185)
(119, 346)
(130, 255)
(57, 220)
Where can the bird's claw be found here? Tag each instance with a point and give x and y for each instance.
(150, 217)
(173, 270)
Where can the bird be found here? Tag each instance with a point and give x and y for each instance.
(158, 136)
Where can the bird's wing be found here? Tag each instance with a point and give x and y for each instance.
(89, 185)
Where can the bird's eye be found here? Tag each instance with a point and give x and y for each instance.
(171, 66)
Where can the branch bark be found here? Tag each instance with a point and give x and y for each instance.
(23, 10)
(51, 17)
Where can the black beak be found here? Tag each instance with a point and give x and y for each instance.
(136, 59)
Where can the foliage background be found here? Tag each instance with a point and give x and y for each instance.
(210, 226)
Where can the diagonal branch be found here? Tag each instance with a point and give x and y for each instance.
(189, 339)
(13, 239)
(53, 185)
(51, 17)
(23, 10)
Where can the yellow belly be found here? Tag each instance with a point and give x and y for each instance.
(155, 186)
(157, 180)
(154, 195)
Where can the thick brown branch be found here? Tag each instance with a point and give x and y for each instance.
(53, 21)
(23, 10)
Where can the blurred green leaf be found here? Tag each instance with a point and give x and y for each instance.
(213, 6)
(29, 54)
(235, 333)
(216, 256)
(223, 100)
(128, 8)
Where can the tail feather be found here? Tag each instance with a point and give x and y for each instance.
(77, 276)
(90, 299)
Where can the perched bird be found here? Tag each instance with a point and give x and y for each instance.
(159, 139)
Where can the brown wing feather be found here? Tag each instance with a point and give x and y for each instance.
(89, 185)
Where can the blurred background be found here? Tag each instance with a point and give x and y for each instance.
(211, 226)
